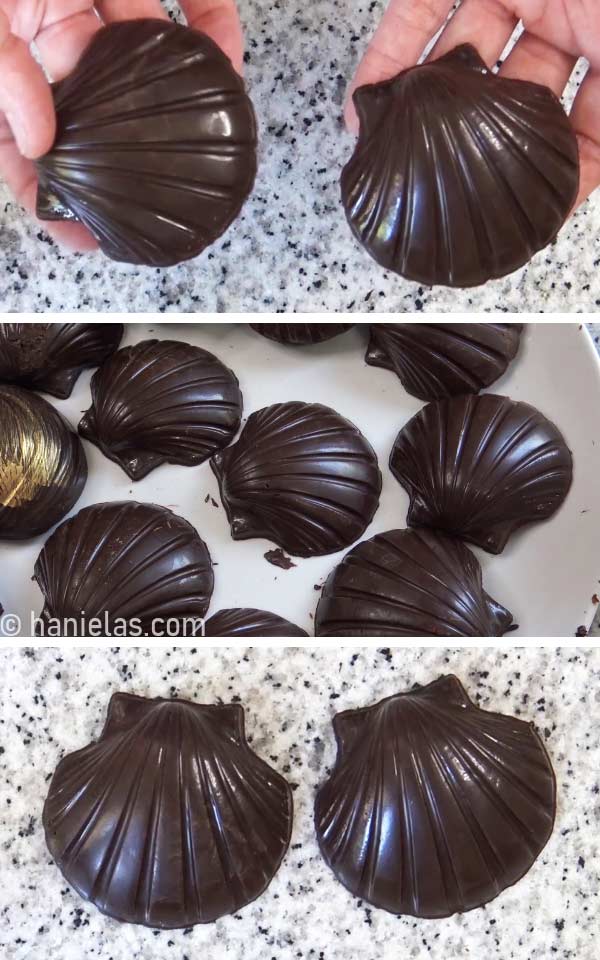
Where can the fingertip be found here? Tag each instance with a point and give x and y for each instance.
(350, 115)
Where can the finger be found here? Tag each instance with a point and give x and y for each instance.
(585, 117)
(25, 97)
(220, 20)
(537, 60)
(406, 28)
(487, 24)
(111, 10)
(64, 32)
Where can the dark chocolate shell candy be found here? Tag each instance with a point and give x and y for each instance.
(169, 819)
(300, 475)
(248, 622)
(436, 360)
(124, 564)
(459, 175)
(434, 806)
(50, 356)
(43, 469)
(156, 145)
(299, 334)
(481, 467)
(162, 401)
(409, 583)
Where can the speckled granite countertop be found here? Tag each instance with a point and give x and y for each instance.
(54, 702)
(292, 249)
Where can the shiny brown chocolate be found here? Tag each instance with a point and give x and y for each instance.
(169, 819)
(300, 475)
(248, 622)
(162, 401)
(435, 360)
(129, 567)
(298, 334)
(481, 467)
(43, 468)
(434, 806)
(50, 356)
(459, 175)
(409, 583)
(156, 145)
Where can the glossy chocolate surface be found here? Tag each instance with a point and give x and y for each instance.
(459, 175)
(162, 401)
(169, 819)
(156, 144)
(481, 467)
(409, 583)
(248, 622)
(298, 334)
(50, 356)
(131, 562)
(434, 806)
(435, 360)
(43, 469)
(300, 475)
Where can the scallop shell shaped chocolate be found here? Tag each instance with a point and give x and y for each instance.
(43, 469)
(169, 819)
(131, 566)
(162, 401)
(436, 360)
(248, 622)
(459, 175)
(156, 145)
(409, 583)
(434, 806)
(300, 475)
(298, 334)
(481, 467)
(50, 356)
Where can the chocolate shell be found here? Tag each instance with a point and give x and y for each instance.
(248, 622)
(126, 565)
(300, 475)
(409, 583)
(299, 334)
(162, 401)
(156, 144)
(43, 469)
(50, 356)
(434, 806)
(481, 467)
(169, 819)
(459, 175)
(436, 360)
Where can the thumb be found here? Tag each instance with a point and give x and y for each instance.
(25, 96)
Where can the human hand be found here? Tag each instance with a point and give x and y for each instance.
(61, 29)
(557, 33)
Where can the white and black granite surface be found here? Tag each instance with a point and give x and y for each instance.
(291, 249)
(54, 701)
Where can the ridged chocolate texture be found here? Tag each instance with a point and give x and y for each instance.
(162, 401)
(130, 562)
(409, 583)
(43, 469)
(156, 145)
(300, 475)
(50, 356)
(436, 360)
(169, 819)
(298, 334)
(434, 806)
(459, 175)
(248, 622)
(481, 467)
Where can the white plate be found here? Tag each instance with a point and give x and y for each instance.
(547, 574)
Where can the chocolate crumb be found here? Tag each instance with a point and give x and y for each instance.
(279, 559)
(581, 632)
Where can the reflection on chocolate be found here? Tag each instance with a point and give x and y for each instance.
(169, 819)
(409, 583)
(128, 565)
(246, 622)
(50, 356)
(435, 360)
(300, 475)
(434, 806)
(459, 175)
(300, 333)
(156, 145)
(43, 469)
(162, 401)
(481, 467)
